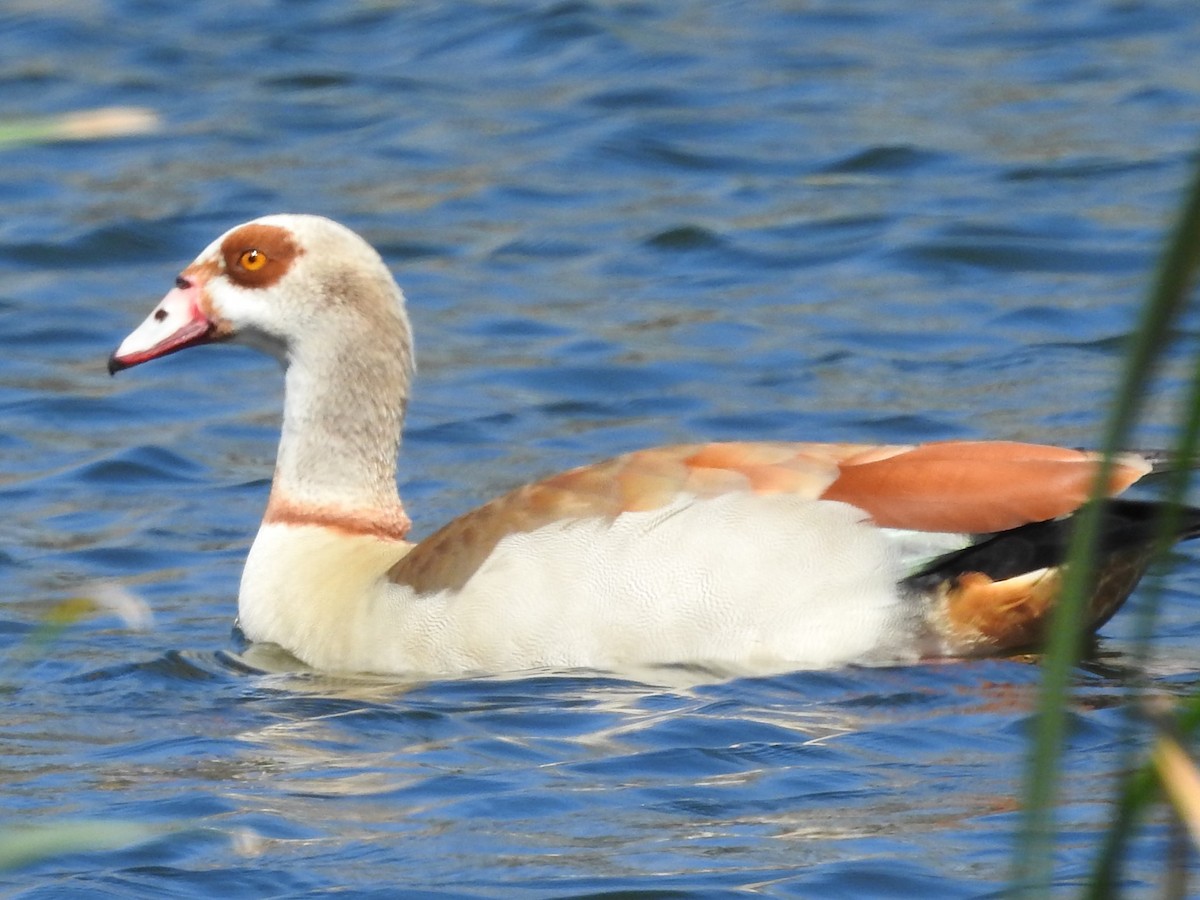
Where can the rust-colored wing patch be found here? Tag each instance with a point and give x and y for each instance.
(976, 487)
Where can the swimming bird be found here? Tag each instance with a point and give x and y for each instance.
(756, 555)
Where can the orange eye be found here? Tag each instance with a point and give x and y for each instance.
(252, 260)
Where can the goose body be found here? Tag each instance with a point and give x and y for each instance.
(758, 555)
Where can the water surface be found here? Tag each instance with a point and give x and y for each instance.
(618, 224)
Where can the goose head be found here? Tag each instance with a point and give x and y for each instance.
(318, 298)
(292, 286)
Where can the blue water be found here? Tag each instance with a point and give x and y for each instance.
(618, 224)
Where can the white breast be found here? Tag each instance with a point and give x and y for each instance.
(317, 592)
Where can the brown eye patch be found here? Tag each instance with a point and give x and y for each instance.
(257, 256)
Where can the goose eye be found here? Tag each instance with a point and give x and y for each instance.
(252, 260)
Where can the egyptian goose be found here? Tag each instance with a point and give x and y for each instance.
(752, 555)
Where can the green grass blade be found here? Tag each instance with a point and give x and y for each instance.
(85, 125)
(26, 845)
(1033, 871)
